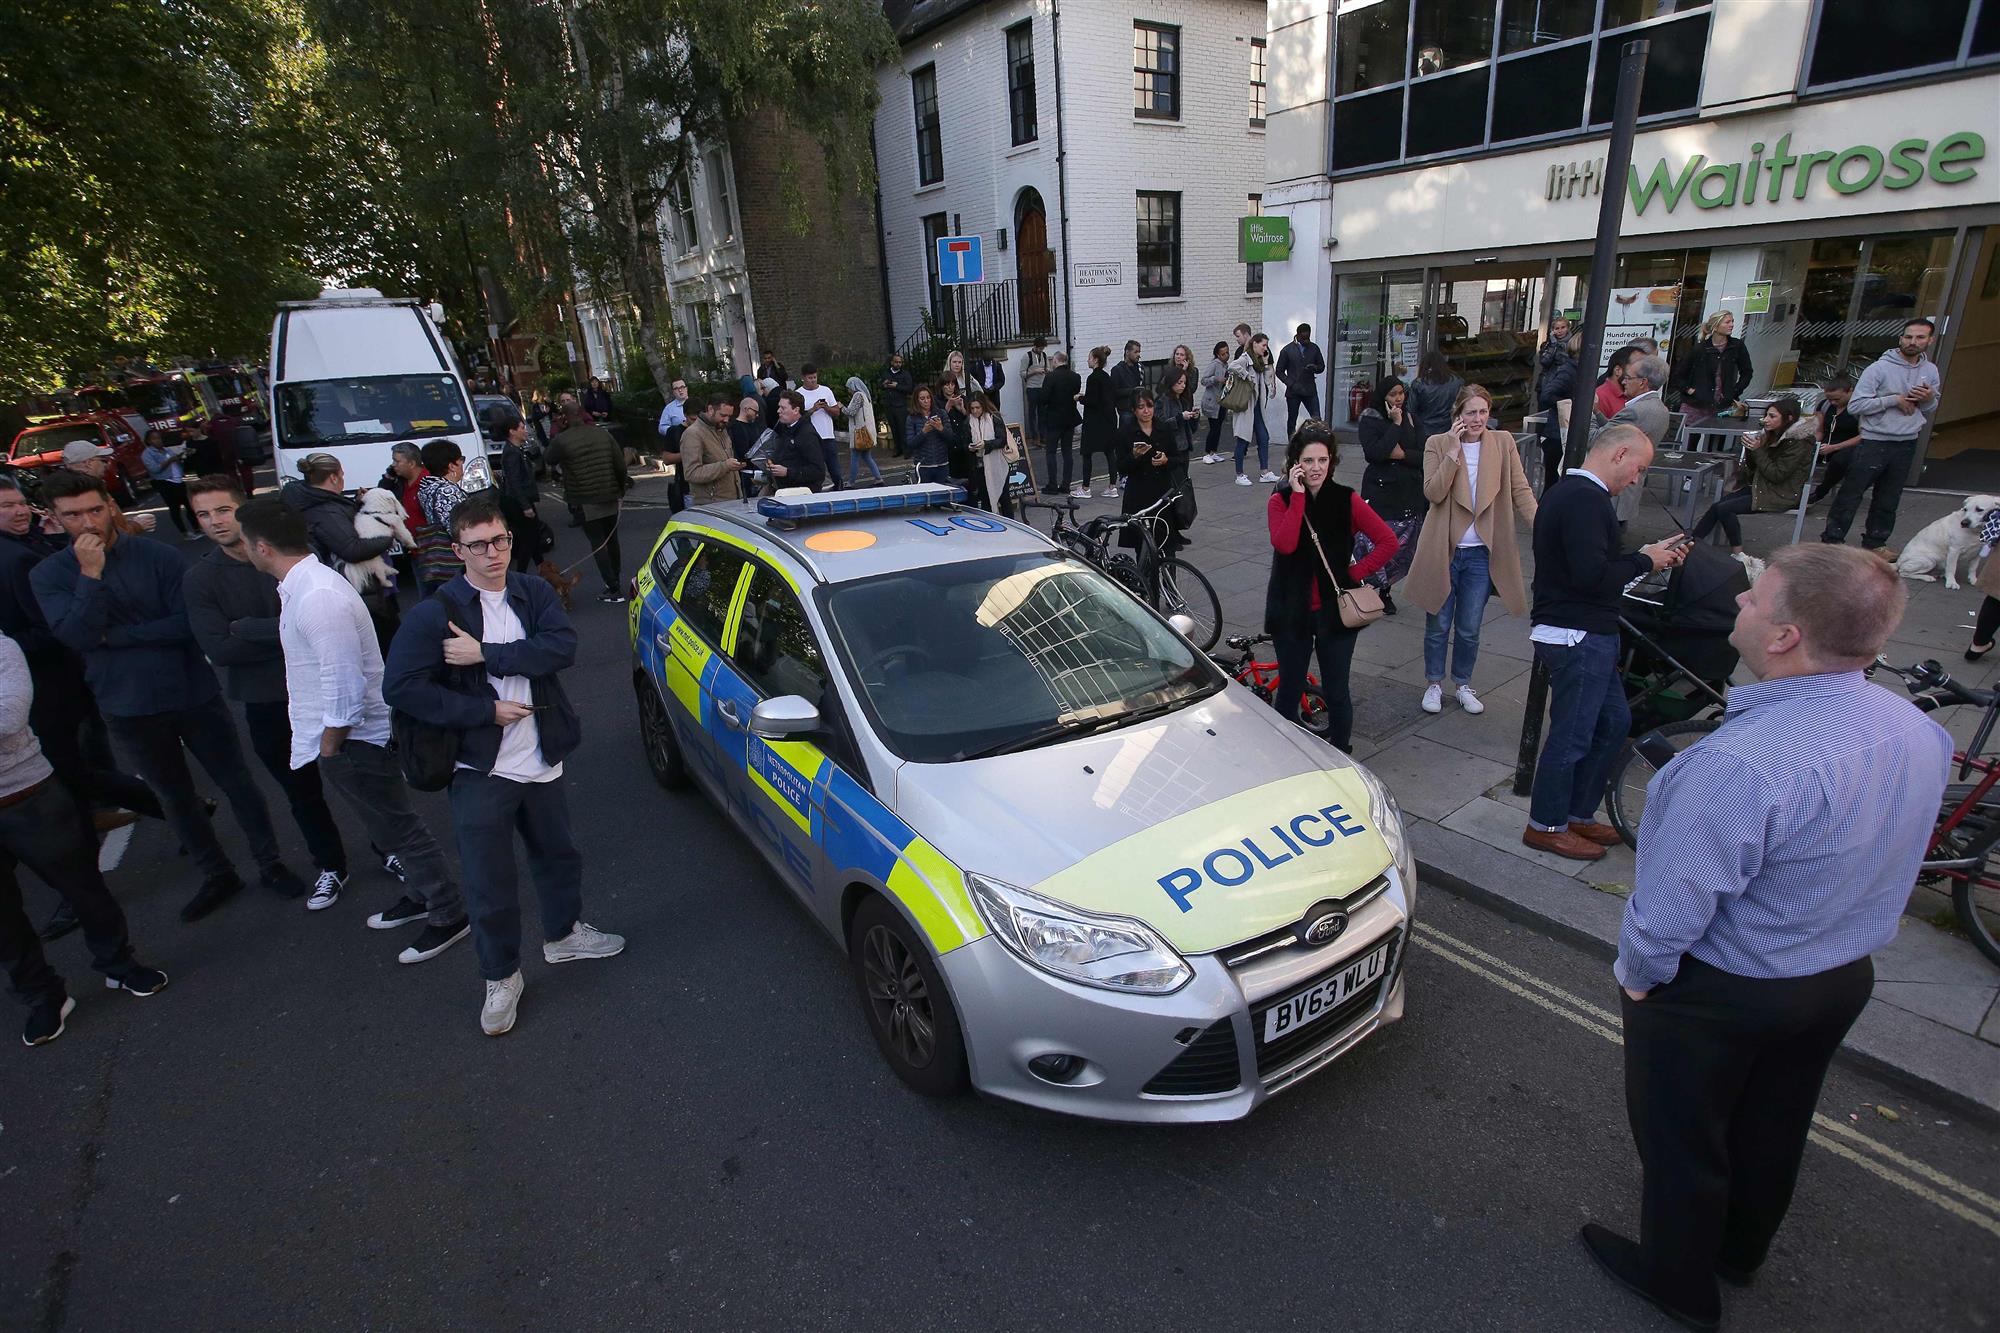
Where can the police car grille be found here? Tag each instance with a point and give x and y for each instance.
(1286, 937)
(1274, 1056)
(1208, 1065)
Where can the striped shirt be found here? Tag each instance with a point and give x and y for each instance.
(1786, 842)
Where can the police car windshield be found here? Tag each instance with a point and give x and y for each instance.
(957, 661)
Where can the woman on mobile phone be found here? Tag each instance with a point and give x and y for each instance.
(1478, 491)
(1313, 521)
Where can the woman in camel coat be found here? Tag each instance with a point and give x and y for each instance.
(1478, 491)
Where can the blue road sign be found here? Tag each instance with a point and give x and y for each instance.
(960, 261)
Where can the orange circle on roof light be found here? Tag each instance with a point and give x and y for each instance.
(840, 539)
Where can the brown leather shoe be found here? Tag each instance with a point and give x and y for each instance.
(1562, 843)
(1601, 834)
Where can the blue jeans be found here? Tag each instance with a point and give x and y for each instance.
(1588, 721)
(829, 452)
(1464, 607)
(487, 812)
(938, 473)
(855, 458)
(1262, 434)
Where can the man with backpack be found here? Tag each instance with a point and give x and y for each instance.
(333, 685)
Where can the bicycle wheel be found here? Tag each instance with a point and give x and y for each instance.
(1975, 893)
(1314, 715)
(1186, 591)
(1625, 793)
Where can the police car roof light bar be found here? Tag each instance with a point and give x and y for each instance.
(788, 513)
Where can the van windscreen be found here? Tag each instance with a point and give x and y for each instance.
(378, 407)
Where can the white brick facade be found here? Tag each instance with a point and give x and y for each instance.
(1212, 156)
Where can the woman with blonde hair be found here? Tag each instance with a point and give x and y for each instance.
(1716, 372)
(1477, 490)
(954, 366)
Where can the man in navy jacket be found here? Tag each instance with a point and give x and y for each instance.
(481, 657)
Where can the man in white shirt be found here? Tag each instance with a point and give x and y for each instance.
(333, 686)
(481, 657)
(821, 408)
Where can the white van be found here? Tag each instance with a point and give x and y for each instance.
(355, 373)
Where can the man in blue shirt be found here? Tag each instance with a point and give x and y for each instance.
(117, 600)
(1775, 855)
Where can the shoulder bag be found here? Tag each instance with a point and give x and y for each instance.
(1236, 396)
(1360, 606)
(428, 753)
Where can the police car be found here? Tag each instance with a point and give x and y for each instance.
(1071, 861)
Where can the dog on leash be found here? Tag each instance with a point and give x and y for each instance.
(381, 516)
(558, 580)
(1951, 539)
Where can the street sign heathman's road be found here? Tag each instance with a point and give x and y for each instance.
(1765, 176)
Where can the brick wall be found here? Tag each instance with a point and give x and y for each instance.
(816, 296)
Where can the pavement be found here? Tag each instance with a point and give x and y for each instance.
(1934, 1021)
(301, 1133)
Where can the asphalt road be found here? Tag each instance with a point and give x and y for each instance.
(301, 1133)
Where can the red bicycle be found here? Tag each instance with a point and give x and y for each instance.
(1262, 678)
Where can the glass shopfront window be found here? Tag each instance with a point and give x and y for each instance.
(1377, 331)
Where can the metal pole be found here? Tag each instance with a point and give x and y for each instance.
(1604, 257)
(1531, 729)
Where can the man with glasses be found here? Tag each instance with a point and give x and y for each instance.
(482, 658)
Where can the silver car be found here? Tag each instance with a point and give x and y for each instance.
(1073, 863)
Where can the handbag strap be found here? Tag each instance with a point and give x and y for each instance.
(1324, 563)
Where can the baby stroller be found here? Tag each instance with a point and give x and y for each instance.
(1675, 668)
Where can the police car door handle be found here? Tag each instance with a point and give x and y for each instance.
(729, 714)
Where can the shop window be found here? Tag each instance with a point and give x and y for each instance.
(1253, 274)
(1447, 114)
(1451, 33)
(1623, 13)
(930, 137)
(1538, 94)
(1156, 71)
(1986, 30)
(1159, 243)
(1021, 82)
(1526, 24)
(1259, 72)
(1368, 45)
(1673, 69)
(1857, 40)
(1368, 130)
(1377, 328)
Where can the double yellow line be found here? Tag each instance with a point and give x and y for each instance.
(1926, 1182)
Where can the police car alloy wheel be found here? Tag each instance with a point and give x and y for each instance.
(908, 1009)
(656, 733)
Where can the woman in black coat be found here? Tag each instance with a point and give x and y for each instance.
(1152, 454)
(1393, 484)
(1100, 421)
(1716, 372)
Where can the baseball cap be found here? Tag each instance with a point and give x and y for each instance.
(82, 451)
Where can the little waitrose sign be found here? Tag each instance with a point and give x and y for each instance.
(1771, 175)
(1261, 240)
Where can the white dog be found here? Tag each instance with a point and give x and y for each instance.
(381, 516)
(1943, 544)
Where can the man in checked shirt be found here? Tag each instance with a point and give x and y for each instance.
(1775, 855)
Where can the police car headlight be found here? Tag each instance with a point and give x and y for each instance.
(1388, 819)
(1116, 953)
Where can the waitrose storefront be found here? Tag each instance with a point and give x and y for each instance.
(1822, 227)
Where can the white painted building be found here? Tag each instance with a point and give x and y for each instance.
(1822, 169)
(1103, 152)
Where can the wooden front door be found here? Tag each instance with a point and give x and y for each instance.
(1034, 262)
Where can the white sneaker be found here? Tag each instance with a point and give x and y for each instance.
(1079, 492)
(503, 998)
(1211, 458)
(1268, 475)
(325, 891)
(1242, 480)
(1468, 700)
(583, 942)
(1433, 698)
(1108, 493)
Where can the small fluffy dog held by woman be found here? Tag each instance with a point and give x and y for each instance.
(381, 515)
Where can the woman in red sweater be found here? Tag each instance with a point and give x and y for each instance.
(1314, 520)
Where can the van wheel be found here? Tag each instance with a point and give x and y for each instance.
(908, 1008)
(656, 733)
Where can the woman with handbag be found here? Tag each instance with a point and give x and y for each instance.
(860, 415)
(986, 439)
(1477, 490)
(1317, 600)
(1393, 483)
(1251, 398)
(1213, 381)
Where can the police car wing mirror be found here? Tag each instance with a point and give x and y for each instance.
(1183, 625)
(786, 715)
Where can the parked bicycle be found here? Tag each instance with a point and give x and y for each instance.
(1262, 679)
(1168, 584)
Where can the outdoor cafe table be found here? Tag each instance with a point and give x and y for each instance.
(1689, 476)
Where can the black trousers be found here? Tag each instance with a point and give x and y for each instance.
(49, 834)
(74, 742)
(602, 534)
(1309, 400)
(1722, 1074)
(153, 744)
(270, 728)
(174, 494)
(1728, 511)
(1334, 643)
(1988, 622)
(1884, 465)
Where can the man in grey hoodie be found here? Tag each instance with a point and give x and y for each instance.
(1894, 400)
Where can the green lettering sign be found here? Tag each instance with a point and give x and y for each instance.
(1710, 185)
(1262, 240)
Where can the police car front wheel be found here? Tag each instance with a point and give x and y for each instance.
(908, 1009)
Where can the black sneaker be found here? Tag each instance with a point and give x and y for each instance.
(407, 911)
(434, 940)
(214, 892)
(45, 1020)
(394, 865)
(61, 922)
(208, 808)
(611, 598)
(280, 880)
(138, 979)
